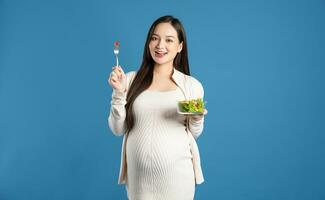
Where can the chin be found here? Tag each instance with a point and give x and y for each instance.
(162, 61)
(159, 62)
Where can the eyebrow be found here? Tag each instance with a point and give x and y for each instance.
(166, 35)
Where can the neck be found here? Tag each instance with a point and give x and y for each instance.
(165, 70)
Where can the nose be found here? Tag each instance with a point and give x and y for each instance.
(160, 44)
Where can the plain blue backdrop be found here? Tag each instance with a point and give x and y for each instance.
(261, 64)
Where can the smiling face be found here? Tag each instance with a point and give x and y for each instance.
(164, 44)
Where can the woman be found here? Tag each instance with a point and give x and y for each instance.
(160, 158)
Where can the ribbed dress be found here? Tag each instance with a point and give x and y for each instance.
(159, 165)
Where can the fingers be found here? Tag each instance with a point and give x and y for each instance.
(116, 77)
(121, 70)
(205, 112)
(113, 77)
(199, 117)
(118, 71)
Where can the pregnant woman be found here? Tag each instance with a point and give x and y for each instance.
(160, 158)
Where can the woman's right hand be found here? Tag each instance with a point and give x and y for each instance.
(117, 79)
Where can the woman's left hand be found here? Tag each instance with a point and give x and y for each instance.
(199, 117)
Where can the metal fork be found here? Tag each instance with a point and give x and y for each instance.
(116, 51)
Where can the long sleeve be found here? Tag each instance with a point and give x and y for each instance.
(117, 115)
(196, 127)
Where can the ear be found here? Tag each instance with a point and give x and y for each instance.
(180, 47)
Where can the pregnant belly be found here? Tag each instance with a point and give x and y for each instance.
(158, 151)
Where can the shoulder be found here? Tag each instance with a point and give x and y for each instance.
(195, 85)
(188, 79)
(192, 85)
(129, 77)
(195, 82)
(130, 74)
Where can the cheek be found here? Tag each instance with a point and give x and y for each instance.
(150, 45)
(172, 52)
(153, 43)
(173, 48)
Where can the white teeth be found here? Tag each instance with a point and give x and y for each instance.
(160, 52)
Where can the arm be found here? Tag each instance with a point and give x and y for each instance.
(117, 115)
(196, 123)
(196, 126)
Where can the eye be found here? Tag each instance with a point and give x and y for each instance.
(169, 40)
(153, 38)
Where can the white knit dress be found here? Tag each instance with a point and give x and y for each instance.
(159, 165)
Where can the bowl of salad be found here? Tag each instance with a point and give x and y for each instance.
(191, 107)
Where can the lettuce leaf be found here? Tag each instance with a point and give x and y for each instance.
(193, 106)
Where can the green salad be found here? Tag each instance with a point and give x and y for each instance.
(192, 106)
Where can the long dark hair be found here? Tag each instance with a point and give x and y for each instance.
(144, 75)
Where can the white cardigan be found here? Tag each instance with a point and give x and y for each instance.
(191, 89)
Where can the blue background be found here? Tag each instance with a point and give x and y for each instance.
(261, 64)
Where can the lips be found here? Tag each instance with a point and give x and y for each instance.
(160, 54)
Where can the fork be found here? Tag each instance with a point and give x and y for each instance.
(116, 51)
